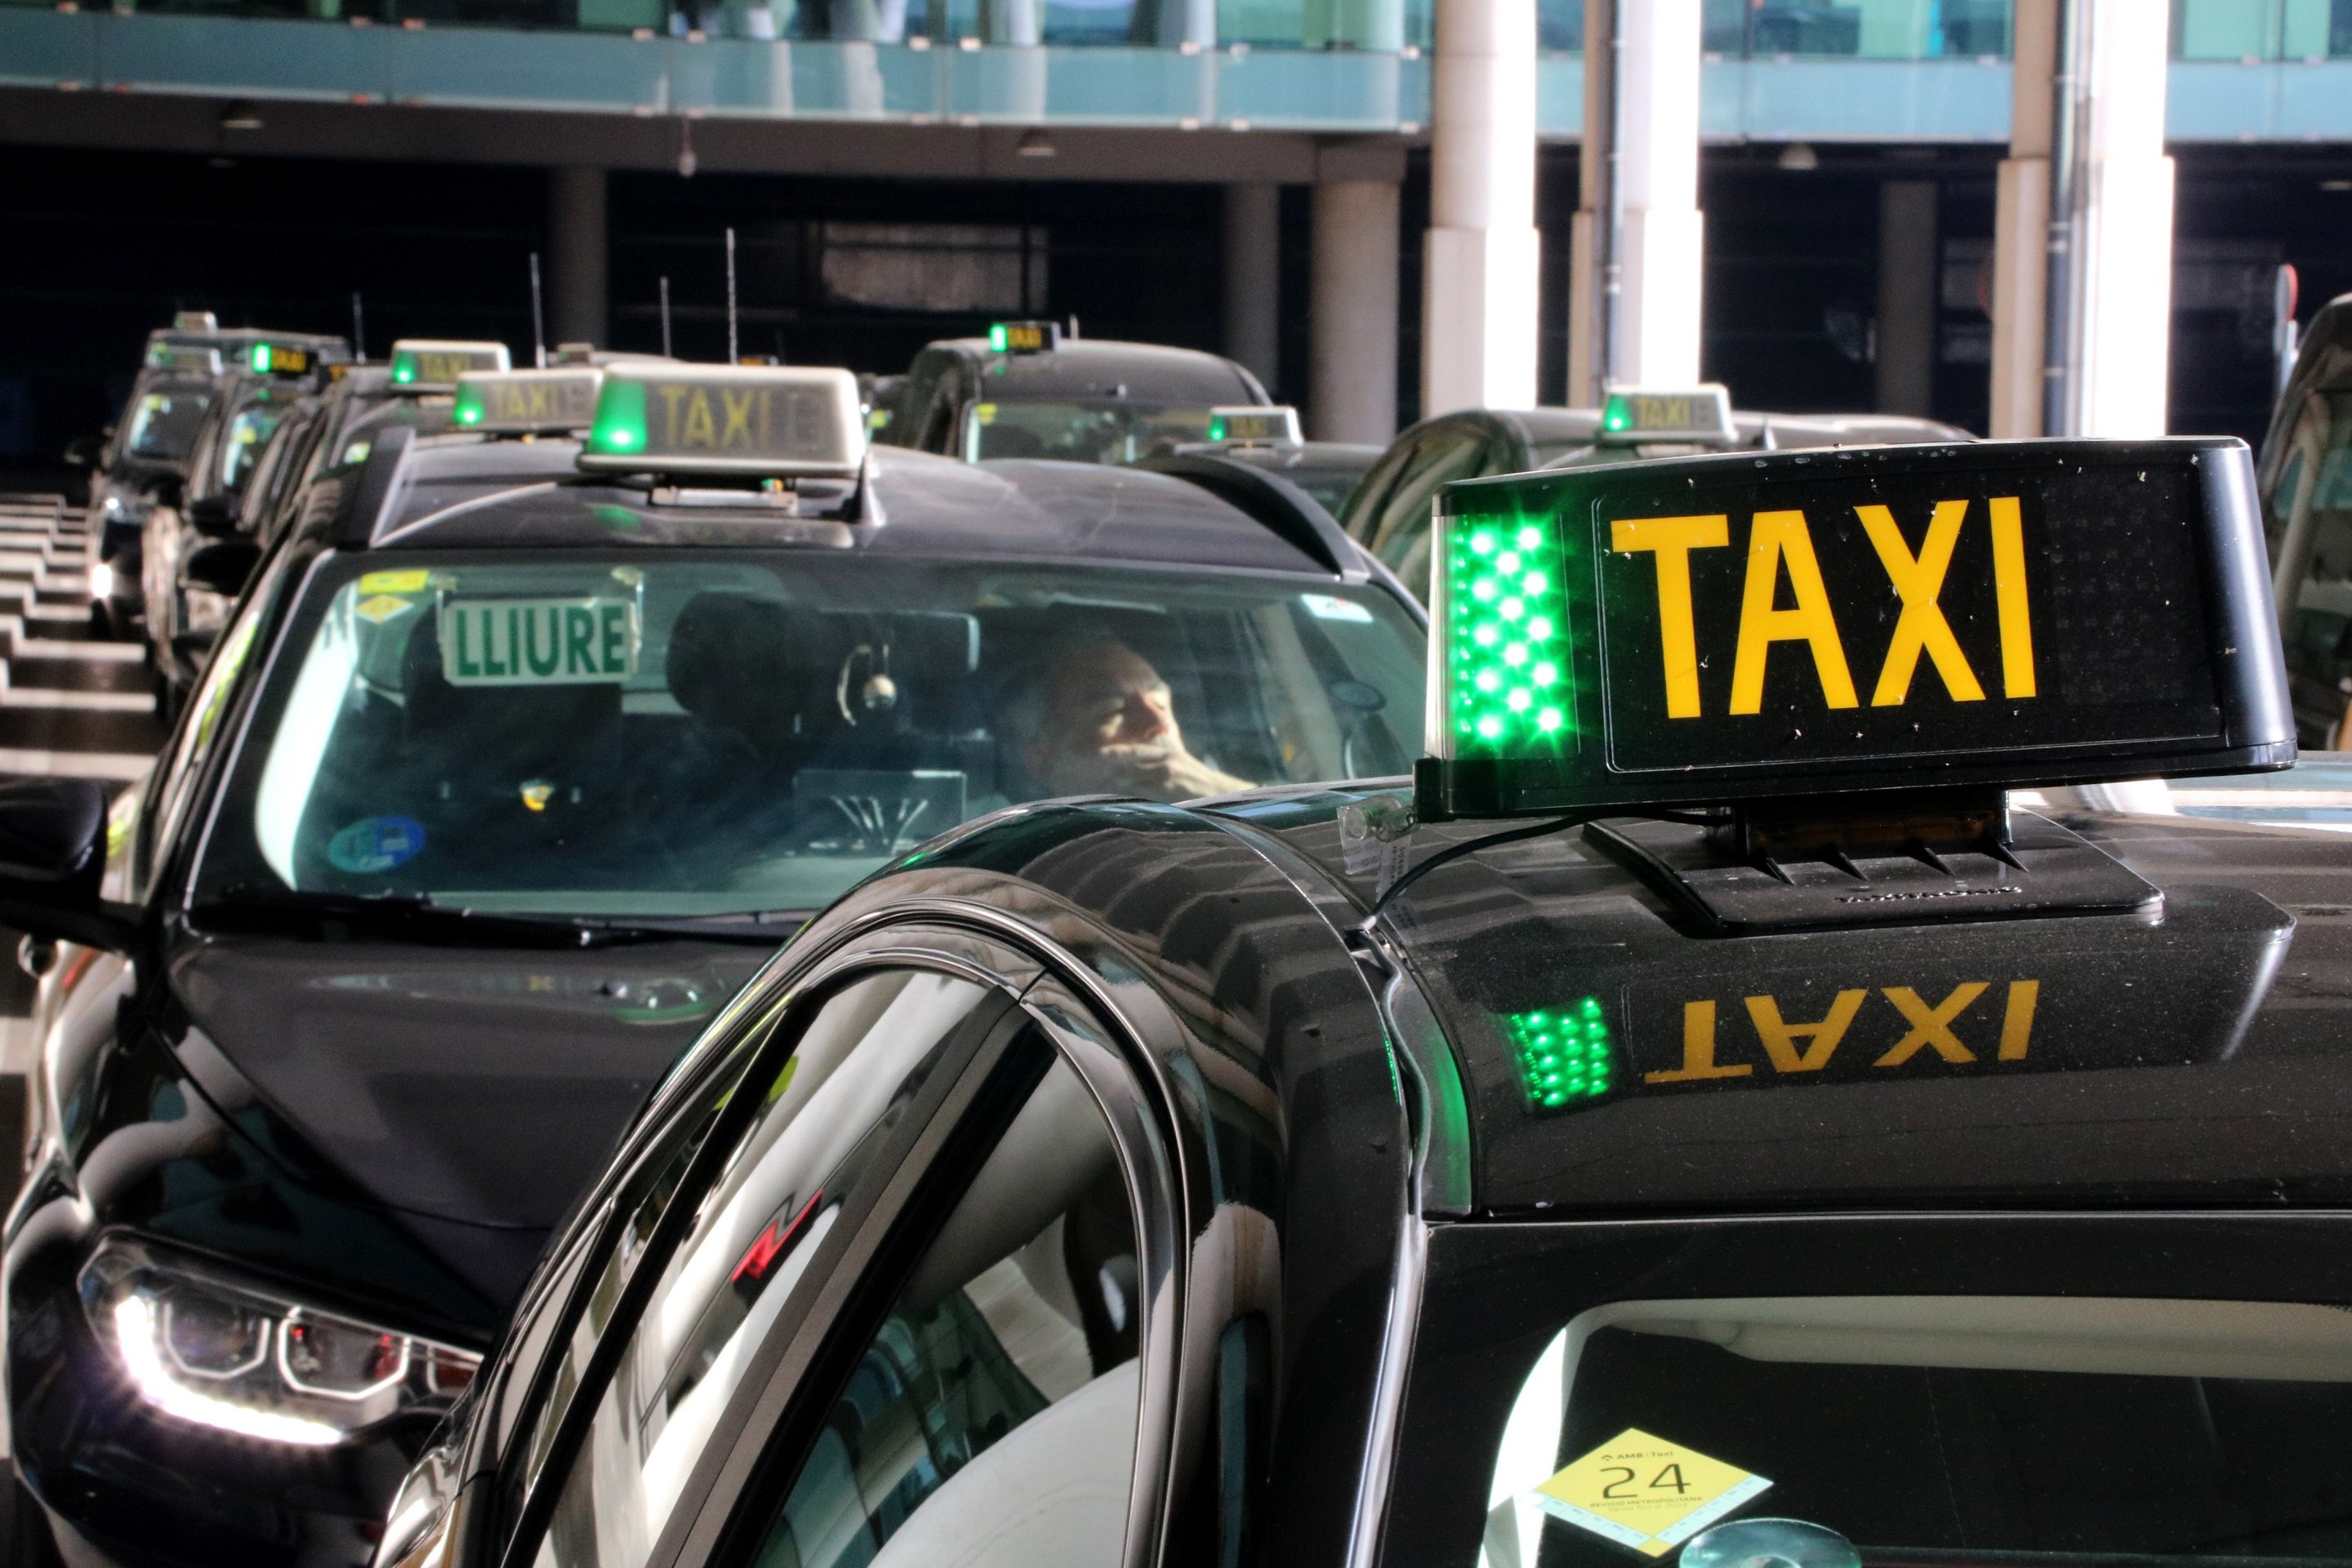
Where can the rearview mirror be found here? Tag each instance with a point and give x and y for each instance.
(222, 567)
(214, 516)
(52, 860)
(82, 451)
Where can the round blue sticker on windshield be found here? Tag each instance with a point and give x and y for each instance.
(375, 844)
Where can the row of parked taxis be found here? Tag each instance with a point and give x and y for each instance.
(1602, 1066)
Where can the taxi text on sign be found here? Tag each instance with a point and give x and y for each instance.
(1646, 1492)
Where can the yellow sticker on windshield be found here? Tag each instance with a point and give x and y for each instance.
(392, 582)
(382, 608)
(985, 413)
(1645, 1492)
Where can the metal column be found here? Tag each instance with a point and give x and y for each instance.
(1352, 393)
(575, 244)
(1907, 279)
(1483, 253)
(1253, 276)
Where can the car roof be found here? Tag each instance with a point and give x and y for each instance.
(1094, 367)
(2197, 1058)
(925, 505)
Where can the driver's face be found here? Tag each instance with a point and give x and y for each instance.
(1099, 697)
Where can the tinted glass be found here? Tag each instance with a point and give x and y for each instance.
(1977, 1429)
(164, 425)
(248, 433)
(828, 1110)
(991, 1418)
(2309, 519)
(1104, 431)
(583, 733)
(1397, 529)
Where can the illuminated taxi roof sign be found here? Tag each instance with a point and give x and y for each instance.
(279, 359)
(1636, 413)
(1743, 626)
(528, 402)
(1024, 337)
(194, 321)
(1255, 425)
(754, 421)
(434, 364)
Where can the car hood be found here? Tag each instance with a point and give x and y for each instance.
(485, 1087)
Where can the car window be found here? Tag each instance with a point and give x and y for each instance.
(594, 733)
(1081, 430)
(990, 1417)
(821, 1116)
(1398, 531)
(192, 746)
(2308, 516)
(248, 431)
(164, 425)
(1915, 1429)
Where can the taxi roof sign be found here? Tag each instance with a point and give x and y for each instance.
(194, 321)
(775, 422)
(1743, 626)
(1255, 425)
(279, 359)
(434, 364)
(184, 356)
(1637, 413)
(1024, 337)
(528, 402)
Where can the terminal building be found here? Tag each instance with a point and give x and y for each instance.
(1254, 177)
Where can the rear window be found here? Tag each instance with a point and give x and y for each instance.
(1833, 1431)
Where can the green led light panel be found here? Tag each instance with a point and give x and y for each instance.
(620, 428)
(469, 405)
(1564, 1055)
(1506, 637)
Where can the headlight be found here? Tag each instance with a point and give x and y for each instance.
(101, 580)
(237, 1358)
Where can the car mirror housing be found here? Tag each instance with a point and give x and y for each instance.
(214, 516)
(52, 859)
(222, 567)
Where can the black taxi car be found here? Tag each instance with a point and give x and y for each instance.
(1566, 1155)
(508, 770)
(1027, 390)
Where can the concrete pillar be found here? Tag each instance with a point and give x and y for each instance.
(2021, 226)
(575, 246)
(1482, 253)
(2125, 184)
(1253, 276)
(2082, 228)
(1907, 279)
(1638, 273)
(1353, 379)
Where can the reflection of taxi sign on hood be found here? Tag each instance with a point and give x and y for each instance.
(434, 364)
(1635, 414)
(528, 402)
(278, 359)
(184, 356)
(1024, 337)
(1255, 425)
(754, 421)
(1726, 628)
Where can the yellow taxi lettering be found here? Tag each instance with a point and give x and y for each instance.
(1920, 582)
(1698, 1050)
(1671, 540)
(700, 430)
(670, 399)
(1781, 539)
(2017, 1021)
(1930, 1027)
(1819, 1041)
(2008, 598)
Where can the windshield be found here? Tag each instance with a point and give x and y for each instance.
(1095, 430)
(592, 734)
(164, 425)
(248, 433)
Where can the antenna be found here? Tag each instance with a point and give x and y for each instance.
(731, 355)
(538, 319)
(359, 329)
(665, 314)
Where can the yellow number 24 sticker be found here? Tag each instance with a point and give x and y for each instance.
(1645, 1492)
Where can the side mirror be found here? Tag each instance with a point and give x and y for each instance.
(167, 489)
(82, 451)
(222, 567)
(214, 516)
(52, 860)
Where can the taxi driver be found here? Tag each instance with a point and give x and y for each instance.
(1103, 723)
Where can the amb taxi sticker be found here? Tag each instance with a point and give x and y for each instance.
(1646, 1492)
(394, 581)
(378, 608)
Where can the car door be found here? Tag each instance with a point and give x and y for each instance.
(908, 1233)
(1394, 524)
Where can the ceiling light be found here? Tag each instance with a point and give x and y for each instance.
(1799, 157)
(240, 117)
(1034, 144)
(2335, 185)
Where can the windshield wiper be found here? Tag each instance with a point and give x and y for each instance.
(420, 917)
